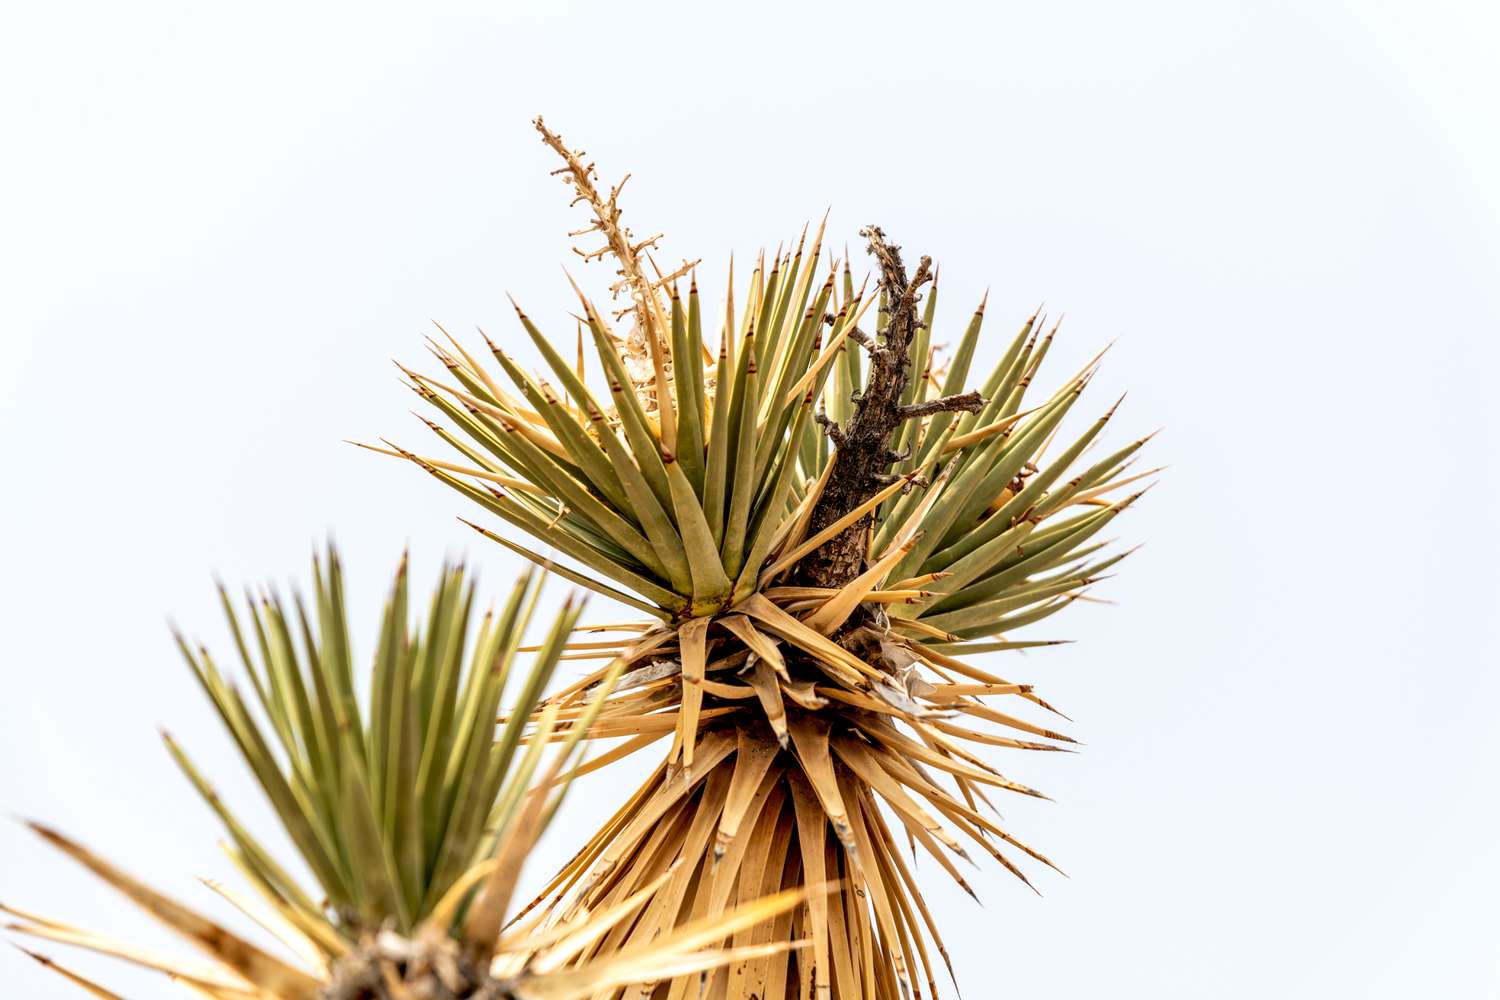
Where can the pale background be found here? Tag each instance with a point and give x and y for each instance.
(218, 224)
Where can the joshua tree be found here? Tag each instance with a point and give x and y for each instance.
(414, 817)
(818, 524)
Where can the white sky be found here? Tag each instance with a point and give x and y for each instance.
(218, 225)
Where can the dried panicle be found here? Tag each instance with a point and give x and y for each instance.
(644, 349)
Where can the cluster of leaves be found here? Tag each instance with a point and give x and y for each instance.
(697, 521)
(390, 811)
(697, 492)
(413, 814)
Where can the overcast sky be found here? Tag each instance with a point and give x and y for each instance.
(218, 225)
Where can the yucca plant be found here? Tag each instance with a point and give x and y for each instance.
(818, 523)
(413, 817)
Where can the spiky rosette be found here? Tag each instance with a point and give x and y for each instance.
(413, 817)
(820, 529)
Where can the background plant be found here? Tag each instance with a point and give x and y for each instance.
(414, 817)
